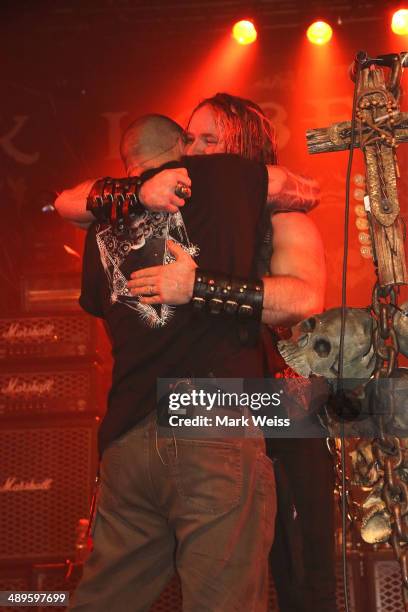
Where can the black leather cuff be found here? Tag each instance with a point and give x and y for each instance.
(115, 201)
(221, 294)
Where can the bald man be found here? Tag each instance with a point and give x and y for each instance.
(153, 143)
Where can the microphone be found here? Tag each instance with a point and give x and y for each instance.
(387, 60)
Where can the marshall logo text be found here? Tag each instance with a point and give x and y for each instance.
(16, 386)
(12, 484)
(38, 331)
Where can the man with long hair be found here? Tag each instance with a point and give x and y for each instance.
(229, 124)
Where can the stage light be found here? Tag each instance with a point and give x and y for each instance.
(244, 32)
(399, 23)
(319, 33)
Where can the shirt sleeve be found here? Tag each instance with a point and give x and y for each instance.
(91, 295)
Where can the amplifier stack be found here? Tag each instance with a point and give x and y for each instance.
(53, 384)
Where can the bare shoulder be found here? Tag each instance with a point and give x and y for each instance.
(295, 228)
(297, 248)
(293, 219)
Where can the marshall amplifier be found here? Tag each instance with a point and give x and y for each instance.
(63, 389)
(52, 336)
(47, 471)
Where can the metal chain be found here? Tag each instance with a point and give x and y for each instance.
(387, 448)
(353, 509)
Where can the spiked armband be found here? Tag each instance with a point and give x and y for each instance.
(115, 201)
(221, 294)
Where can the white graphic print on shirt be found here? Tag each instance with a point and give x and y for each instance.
(114, 250)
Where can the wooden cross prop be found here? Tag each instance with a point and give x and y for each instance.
(380, 128)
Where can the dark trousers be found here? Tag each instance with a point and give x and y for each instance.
(302, 557)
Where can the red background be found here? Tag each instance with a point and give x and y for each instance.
(77, 75)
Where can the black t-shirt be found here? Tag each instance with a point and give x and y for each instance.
(220, 227)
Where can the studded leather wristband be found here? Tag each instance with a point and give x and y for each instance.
(221, 294)
(115, 201)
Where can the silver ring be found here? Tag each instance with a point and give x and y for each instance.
(182, 190)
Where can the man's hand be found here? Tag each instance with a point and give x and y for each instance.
(170, 284)
(158, 193)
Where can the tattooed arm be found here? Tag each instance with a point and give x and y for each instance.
(291, 192)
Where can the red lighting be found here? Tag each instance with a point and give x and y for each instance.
(319, 33)
(244, 32)
(399, 23)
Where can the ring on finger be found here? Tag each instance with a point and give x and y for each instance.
(182, 190)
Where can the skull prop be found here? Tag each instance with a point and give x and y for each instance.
(314, 345)
(365, 467)
(376, 522)
(401, 328)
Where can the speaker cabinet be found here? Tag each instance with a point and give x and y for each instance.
(47, 470)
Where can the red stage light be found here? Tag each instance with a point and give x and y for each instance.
(399, 23)
(244, 32)
(319, 33)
